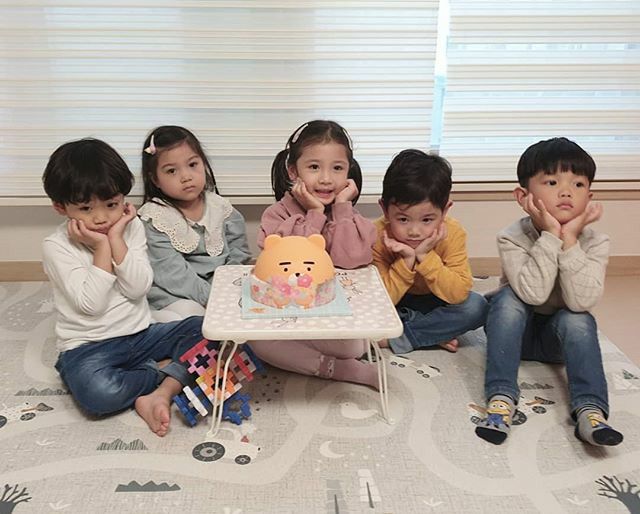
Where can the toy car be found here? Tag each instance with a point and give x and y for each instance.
(230, 447)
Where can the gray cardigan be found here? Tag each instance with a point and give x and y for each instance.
(180, 273)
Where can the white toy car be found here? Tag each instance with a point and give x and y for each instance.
(228, 446)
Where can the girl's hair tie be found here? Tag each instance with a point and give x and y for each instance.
(348, 137)
(296, 135)
(299, 133)
(151, 149)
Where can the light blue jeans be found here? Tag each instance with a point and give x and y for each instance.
(429, 321)
(515, 332)
(107, 376)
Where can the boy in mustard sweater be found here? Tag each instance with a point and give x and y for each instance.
(422, 257)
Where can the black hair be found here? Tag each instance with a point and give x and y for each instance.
(79, 170)
(307, 134)
(551, 155)
(415, 176)
(165, 138)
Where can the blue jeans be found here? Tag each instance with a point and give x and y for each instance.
(515, 332)
(429, 321)
(107, 376)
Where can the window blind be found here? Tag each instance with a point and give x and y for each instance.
(241, 74)
(520, 71)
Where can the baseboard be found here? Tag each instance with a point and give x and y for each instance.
(22, 271)
(619, 265)
(485, 266)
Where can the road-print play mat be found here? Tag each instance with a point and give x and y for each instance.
(311, 445)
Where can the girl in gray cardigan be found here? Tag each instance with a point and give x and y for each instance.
(190, 229)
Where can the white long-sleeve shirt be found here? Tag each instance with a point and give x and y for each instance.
(544, 275)
(92, 304)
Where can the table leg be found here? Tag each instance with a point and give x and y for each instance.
(218, 399)
(382, 380)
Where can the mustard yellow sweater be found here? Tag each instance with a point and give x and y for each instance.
(445, 272)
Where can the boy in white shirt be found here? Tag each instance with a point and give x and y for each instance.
(553, 270)
(98, 266)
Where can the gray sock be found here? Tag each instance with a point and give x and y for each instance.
(592, 428)
(495, 427)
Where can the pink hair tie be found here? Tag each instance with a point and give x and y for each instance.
(151, 149)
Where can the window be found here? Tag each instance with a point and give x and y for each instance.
(244, 74)
(520, 71)
(241, 74)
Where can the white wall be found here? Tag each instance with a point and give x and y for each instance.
(23, 228)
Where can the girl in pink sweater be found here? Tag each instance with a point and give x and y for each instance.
(316, 182)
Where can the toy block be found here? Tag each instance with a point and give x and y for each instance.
(195, 349)
(253, 358)
(201, 361)
(188, 412)
(237, 408)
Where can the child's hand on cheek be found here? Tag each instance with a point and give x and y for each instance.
(430, 242)
(395, 246)
(79, 233)
(118, 227)
(404, 251)
(349, 192)
(540, 216)
(572, 229)
(305, 198)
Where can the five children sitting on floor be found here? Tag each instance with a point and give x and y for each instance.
(103, 266)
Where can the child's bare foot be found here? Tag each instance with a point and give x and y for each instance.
(383, 343)
(156, 411)
(450, 346)
(155, 408)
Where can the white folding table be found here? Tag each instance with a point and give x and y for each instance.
(373, 317)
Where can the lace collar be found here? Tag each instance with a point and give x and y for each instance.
(184, 238)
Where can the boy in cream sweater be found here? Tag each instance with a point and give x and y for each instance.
(553, 267)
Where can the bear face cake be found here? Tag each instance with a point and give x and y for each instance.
(293, 271)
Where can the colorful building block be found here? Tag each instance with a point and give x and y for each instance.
(201, 361)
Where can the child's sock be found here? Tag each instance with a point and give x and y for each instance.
(350, 370)
(592, 428)
(495, 427)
